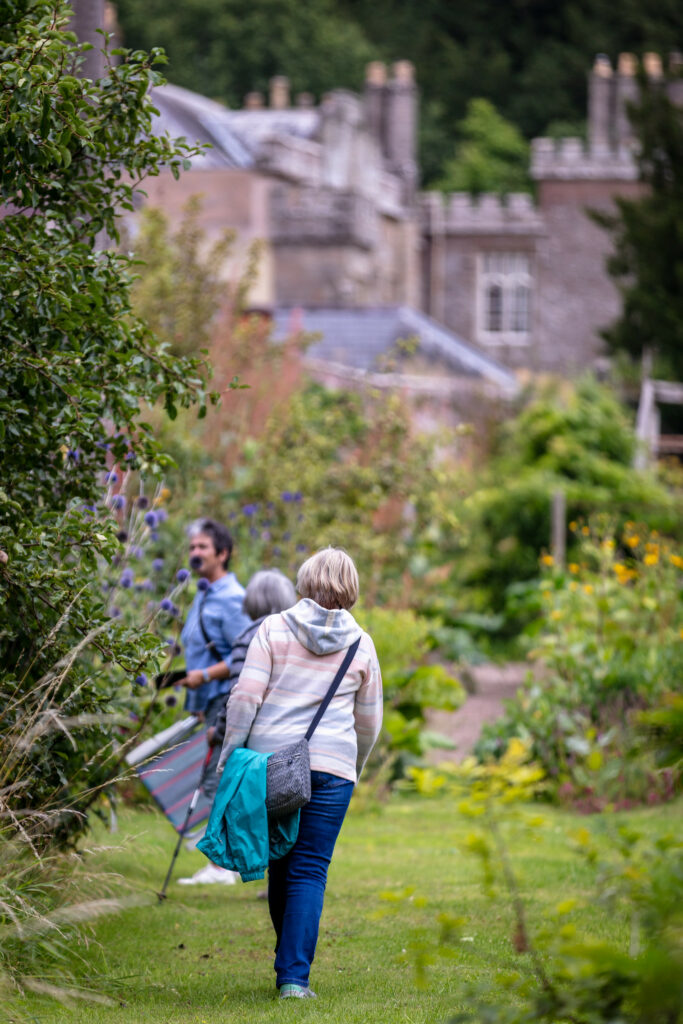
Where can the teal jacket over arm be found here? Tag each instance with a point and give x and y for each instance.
(239, 835)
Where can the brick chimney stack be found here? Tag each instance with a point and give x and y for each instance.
(626, 92)
(375, 98)
(600, 105)
(279, 92)
(400, 125)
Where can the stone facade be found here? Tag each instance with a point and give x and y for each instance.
(330, 190)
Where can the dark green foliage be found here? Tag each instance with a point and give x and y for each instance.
(491, 155)
(75, 366)
(647, 263)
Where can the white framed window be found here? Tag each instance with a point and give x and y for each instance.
(504, 286)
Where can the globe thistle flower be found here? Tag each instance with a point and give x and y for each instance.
(154, 535)
(141, 501)
(171, 701)
(137, 551)
(167, 605)
(73, 455)
(118, 501)
(111, 478)
(126, 582)
(114, 612)
(158, 564)
(202, 583)
(287, 496)
(301, 547)
(162, 515)
(182, 575)
(173, 649)
(122, 536)
(151, 518)
(196, 562)
(129, 456)
(250, 510)
(141, 680)
(146, 585)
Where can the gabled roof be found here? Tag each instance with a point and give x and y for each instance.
(359, 338)
(199, 119)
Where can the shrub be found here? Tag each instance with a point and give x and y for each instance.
(608, 644)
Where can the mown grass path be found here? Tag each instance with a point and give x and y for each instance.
(205, 955)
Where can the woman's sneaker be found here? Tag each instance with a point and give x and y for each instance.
(296, 992)
(211, 874)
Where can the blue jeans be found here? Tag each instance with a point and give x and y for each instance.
(296, 884)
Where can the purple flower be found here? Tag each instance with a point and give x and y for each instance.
(130, 456)
(253, 532)
(171, 701)
(141, 680)
(162, 515)
(103, 444)
(172, 647)
(154, 535)
(158, 564)
(196, 562)
(301, 547)
(167, 605)
(202, 583)
(110, 478)
(297, 496)
(151, 519)
(175, 610)
(287, 535)
(250, 510)
(287, 496)
(146, 585)
(74, 455)
(133, 717)
(265, 535)
(126, 582)
(122, 536)
(182, 575)
(142, 501)
(118, 501)
(137, 552)
(151, 606)
(114, 612)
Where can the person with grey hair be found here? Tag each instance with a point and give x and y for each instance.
(268, 591)
(286, 678)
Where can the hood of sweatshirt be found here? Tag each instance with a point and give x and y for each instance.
(321, 630)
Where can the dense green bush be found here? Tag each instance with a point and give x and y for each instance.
(577, 439)
(608, 644)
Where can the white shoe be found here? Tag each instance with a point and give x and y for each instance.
(211, 874)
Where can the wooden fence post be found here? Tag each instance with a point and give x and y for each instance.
(558, 537)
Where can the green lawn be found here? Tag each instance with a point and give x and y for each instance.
(205, 955)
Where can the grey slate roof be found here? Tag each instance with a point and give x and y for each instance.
(361, 337)
(199, 119)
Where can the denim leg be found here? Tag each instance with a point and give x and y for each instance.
(296, 884)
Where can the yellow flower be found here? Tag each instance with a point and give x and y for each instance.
(680, 633)
(588, 588)
(573, 567)
(555, 614)
(608, 545)
(651, 559)
(573, 526)
(547, 560)
(573, 586)
(585, 531)
(676, 560)
(633, 540)
(546, 595)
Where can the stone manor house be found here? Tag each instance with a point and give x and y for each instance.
(351, 248)
(331, 189)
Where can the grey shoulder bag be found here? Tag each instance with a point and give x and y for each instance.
(288, 771)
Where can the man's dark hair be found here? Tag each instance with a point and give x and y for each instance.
(220, 535)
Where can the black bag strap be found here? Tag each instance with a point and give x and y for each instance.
(348, 658)
(210, 644)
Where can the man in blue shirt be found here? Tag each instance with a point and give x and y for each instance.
(214, 621)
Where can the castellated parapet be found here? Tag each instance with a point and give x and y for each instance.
(571, 160)
(460, 213)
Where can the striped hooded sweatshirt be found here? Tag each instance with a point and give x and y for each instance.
(289, 667)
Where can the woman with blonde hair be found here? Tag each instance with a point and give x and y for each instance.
(288, 670)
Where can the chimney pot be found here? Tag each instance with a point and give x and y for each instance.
(279, 92)
(404, 72)
(627, 64)
(602, 66)
(652, 63)
(376, 73)
(253, 101)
